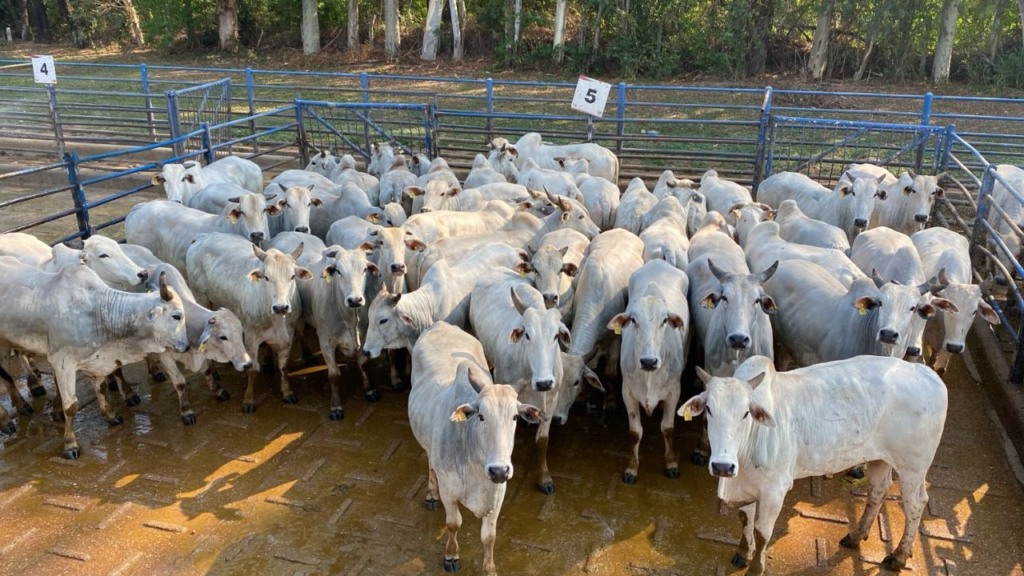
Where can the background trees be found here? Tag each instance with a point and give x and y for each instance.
(964, 40)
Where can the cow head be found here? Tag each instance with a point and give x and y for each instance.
(919, 193)
(856, 200)
(966, 301)
(493, 415)
(391, 326)
(167, 318)
(504, 157)
(741, 296)
(107, 259)
(552, 273)
(221, 340)
(248, 213)
(575, 216)
(542, 334)
(645, 326)
(278, 273)
(390, 245)
(348, 271)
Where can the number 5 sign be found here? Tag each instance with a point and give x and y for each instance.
(42, 69)
(591, 96)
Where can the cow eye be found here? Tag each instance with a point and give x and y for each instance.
(481, 417)
(908, 190)
(382, 321)
(747, 413)
(708, 410)
(177, 317)
(223, 338)
(104, 256)
(527, 336)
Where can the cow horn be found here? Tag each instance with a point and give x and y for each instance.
(298, 250)
(165, 292)
(911, 172)
(877, 278)
(720, 274)
(942, 276)
(521, 306)
(767, 274)
(737, 206)
(932, 285)
(260, 254)
(76, 244)
(551, 198)
(283, 187)
(464, 371)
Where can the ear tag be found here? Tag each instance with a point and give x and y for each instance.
(687, 415)
(522, 273)
(708, 303)
(202, 347)
(254, 278)
(232, 218)
(862, 310)
(458, 416)
(617, 330)
(326, 276)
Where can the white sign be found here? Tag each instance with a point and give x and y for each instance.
(591, 96)
(43, 70)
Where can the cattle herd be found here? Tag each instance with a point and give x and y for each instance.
(511, 288)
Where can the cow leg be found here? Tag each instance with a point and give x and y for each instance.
(334, 376)
(23, 407)
(281, 351)
(399, 359)
(915, 498)
(130, 397)
(372, 395)
(488, 534)
(170, 367)
(32, 377)
(545, 482)
(746, 548)
(453, 521)
(432, 493)
(879, 478)
(64, 373)
(155, 368)
(768, 508)
(113, 418)
(213, 383)
(6, 424)
(702, 451)
(636, 432)
(667, 432)
(249, 400)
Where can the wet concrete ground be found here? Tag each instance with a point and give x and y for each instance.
(287, 491)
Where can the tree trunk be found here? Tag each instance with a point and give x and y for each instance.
(819, 45)
(997, 21)
(463, 15)
(41, 23)
(560, 6)
(864, 62)
(597, 28)
(227, 24)
(432, 30)
(757, 43)
(353, 23)
(453, 11)
(517, 23)
(1020, 6)
(134, 24)
(944, 46)
(392, 32)
(67, 14)
(310, 27)
(26, 29)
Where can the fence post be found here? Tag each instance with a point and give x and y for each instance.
(364, 87)
(78, 194)
(147, 100)
(489, 100)
(620, 110)
(926, 119)
(947, 148)
(762, 139)
(590, 128)
(984, 193)
(208, 152)
(428, 141)
(58, 130)
(300, 134)
(173, 127)
(250, 95)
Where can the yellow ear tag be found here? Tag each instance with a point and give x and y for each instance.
(202, 347)
(708, 303)
(617, 329)
(326, 276)
(458, 416)
(254, 278)
(687, 415)
(522, 273)
(862, 310)
(232, 218)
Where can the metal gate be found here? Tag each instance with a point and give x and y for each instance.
(189, 108)
(345, 127)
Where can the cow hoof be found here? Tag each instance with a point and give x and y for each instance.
(856, 473)
(248, 408)
(628, 478)
(699, 459)
(337, 414)
(133, 400)
(373, 396)
(58, 415)
(38, 391)
(71, 453)
(116, 420)
(849, 542)
(222, 396)
(26, 410)
(111, 385)
(188, 419)
(10, 428)
(893, 564)
(548, 488)
(159, 377)
(738, 561)
(452, 565)
(291, 398)
(672, 472)
(398, 386)
(432, 504)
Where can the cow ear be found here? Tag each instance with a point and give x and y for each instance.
(565, 215)
(157, 180)
(234, 215)
(415, 245)
(372, 268)
(302, 273)
(926, 311)
(516, 334)
(524, 268)
(988, 313)
(570, 269)
(530, 414)
(316, 201)
(760, 415)
(255, 275)
(618, 321)
(694, 406)
(327, 272)
(675, 320)
(373, 217)
(564, 337)
(368, 246)
(511, 149)
(590, 377)
(945, 305)
(464, 412)
(767, 304)
(845, 188)
(405, 318)
(189, 178)
(275, 208)
(710, 301)
(412, 191)
(453, 191)
(865, 303)
(881, 194)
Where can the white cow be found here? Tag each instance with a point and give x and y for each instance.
(764, 246)
(181, 181)
(419, 164)
(600, 196)
(795, 226)
(311, 180)
(168, 228)
(554, 268)
(440, 195)
(849, 206)
(655, 331)
(946, 256)
(433, 226)
(722, 194)
(602, 161)
(81, 324)
(382, 156)
(291, 204)
(323, 163)
(910, 197)
(665, 237)
(769, 429)
(467, 425)
(482, 173)
(551, 180)
(100, 253)
(350, 201)
(635, 202)
(394, 181)
(260, 287)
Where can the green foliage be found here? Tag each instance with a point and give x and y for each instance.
(1008, 70)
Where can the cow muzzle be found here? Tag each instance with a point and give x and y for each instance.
(543, 385)
(888, 336)
(398, 269)
(860, 222)
(550, 300)
(499, 474)
(738, 341)
(913, 351)
(354, 301)
(723, 469)
(256, 237)
(181, 346)
(143, 275)
(920, 218)
(649, 364)
(954, 348)
(303, 229)
(281, 308)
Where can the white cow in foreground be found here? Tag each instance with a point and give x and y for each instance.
(100, 253)
(467, 425)
(602, 161)
(771, 428)
(795, 226)
(909, 197)
(849, 206)
(722, 194)
(181, 181)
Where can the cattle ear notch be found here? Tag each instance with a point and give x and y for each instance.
(530, 414)
(464, 412)
(694, 406)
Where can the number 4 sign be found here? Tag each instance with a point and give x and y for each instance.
(43, 70)
(591, 96)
